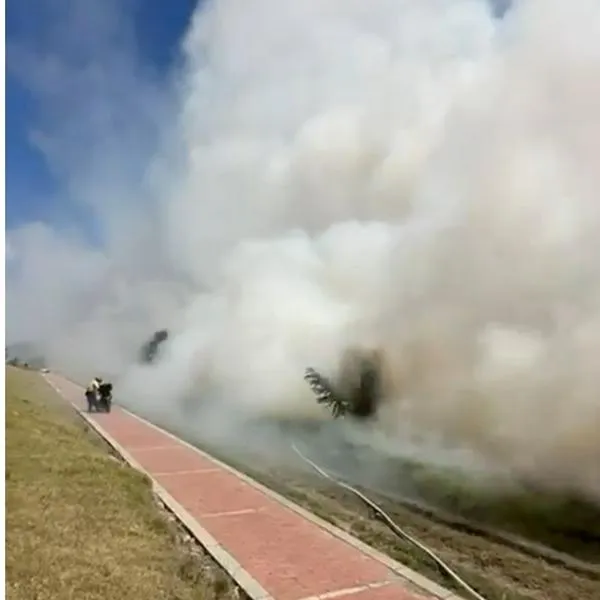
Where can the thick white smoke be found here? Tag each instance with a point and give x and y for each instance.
(413, 176)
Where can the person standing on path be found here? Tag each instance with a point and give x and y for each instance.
(91, 392)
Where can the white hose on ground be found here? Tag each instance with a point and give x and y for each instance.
(393, 526)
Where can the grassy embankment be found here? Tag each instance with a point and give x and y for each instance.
(79, 523)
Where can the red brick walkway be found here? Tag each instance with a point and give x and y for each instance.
(291, 557)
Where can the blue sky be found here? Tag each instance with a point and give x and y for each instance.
(33, 29)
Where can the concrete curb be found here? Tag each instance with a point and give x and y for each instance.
(219, 554)
(404, 572)
(207, 541)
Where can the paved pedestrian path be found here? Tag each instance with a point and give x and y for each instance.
(272, 548)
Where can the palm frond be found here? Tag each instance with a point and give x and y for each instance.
(325, 394)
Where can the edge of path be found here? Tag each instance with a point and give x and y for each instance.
(218, 553)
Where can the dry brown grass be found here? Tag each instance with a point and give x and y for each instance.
(498, 571)
(81, 525)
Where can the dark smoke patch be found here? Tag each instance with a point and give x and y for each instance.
(150, 349)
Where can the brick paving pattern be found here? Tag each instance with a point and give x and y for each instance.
(291, 557)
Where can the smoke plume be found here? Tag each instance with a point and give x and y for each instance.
(416, 177)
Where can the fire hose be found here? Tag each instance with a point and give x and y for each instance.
(390, 523)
